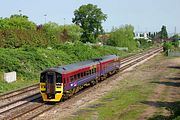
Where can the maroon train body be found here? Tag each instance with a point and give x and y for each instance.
(64, 81)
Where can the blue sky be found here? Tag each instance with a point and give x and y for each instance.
(144, 15)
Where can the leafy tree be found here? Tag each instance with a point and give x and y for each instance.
(167, 46)
(163, 32)
(144, 43)
(89, 17)
(62, 33)
(123, 37)
(175, 36)
(176, 40)
(17, 22)
(74, 32)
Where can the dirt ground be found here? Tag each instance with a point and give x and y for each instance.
(165, 94)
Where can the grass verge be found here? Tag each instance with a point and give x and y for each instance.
(125, 101)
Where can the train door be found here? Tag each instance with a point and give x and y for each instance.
(51, 82)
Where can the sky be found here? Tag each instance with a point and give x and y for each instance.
(144, 15)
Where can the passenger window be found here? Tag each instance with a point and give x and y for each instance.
(93, 71)
(90, 72)
(79, 76)
(71, 78)
(87, 73)
(75, 78)
(84, 74)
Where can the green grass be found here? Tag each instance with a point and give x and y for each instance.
(6, 87)
(121, 103)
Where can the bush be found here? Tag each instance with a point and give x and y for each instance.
(28, 61)
(176, 43)
(144, 43)
(123, 37)
(167, 46)
(18, 31)
(17, 22)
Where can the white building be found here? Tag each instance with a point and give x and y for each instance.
(141, 36)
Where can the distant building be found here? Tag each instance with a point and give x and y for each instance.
(141, 36)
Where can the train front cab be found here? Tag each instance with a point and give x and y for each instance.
(51, 86)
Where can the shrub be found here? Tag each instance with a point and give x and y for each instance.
(123, 37)
(144, 43)
(29, 61)
(167, 46)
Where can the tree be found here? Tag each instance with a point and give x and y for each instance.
(89, 17)
(62, 33)
(17, 22)
(175, 42)
(123, 37)
(175, 36)
(163, 32)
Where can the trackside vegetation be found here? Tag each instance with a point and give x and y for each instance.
(28, 62)
(17, 31)
(123, 37)
(172, 45)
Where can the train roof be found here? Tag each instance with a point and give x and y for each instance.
(74, 66)
(108, 57)
(79, 65)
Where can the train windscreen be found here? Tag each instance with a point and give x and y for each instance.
(50, 78)
(58, 78)
(43, 77)
(50, 83)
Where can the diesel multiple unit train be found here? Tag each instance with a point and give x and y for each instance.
(64, 81)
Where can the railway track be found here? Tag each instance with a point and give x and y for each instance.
(30, 107)
(127, 59)
(18, 96)
(18, 92)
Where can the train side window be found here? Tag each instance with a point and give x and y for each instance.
(87, 73)
(71, 78)
(79, 75)
(93, 70)
(75, 77)
(84, 74)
